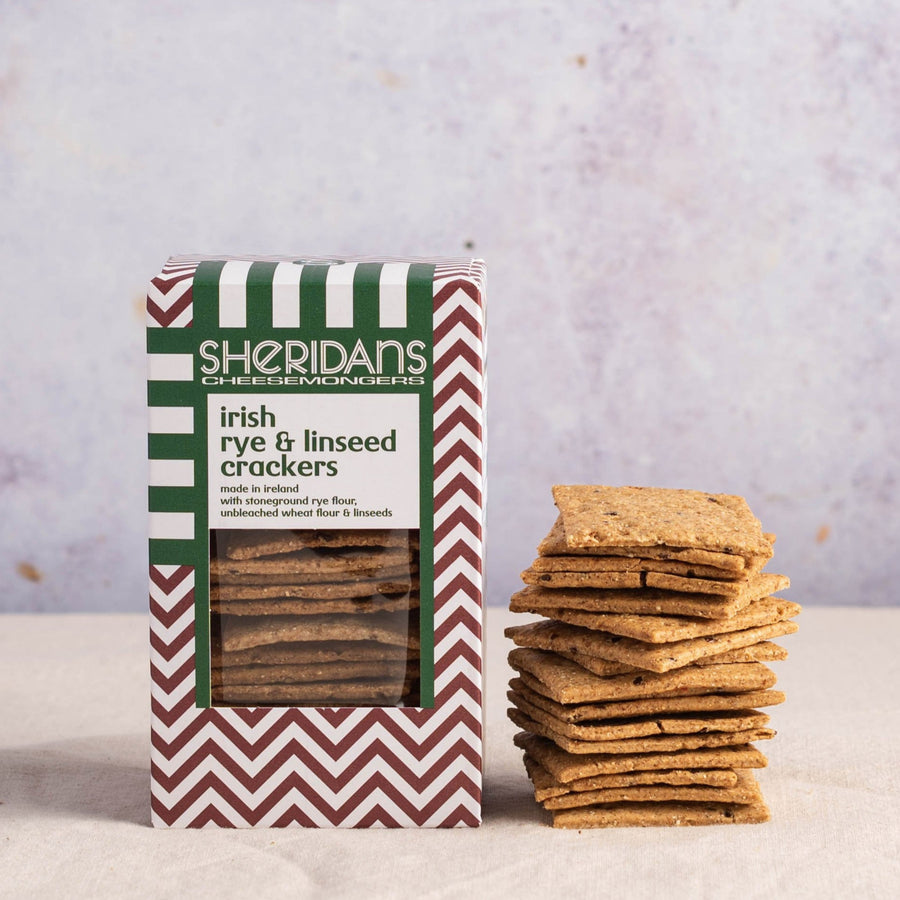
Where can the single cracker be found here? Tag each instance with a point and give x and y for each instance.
(599, 515)
(568, 768)
(698, 723)
(644, 601)
(584, 579)
(745, 791)
(386, 628)
(567, 682)
(674, 655)
(402, 573)
(327, 591)
(309, 672)
(374, 692)
(654, 744)
(584, 564)
(764, 651)
(531, 689)
(545, 787)
(244, 544)
(574, 644)
(554, 544)
(746, 589)
(765, 582)
(299, 607)
(666, 629)
(617, 815)
(362, 563)
(309, 652)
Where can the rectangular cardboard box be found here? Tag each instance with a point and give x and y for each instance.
(316, 533)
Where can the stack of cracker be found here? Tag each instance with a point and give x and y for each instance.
(639, 695)
(314, 618)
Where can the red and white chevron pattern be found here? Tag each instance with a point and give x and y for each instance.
(358, 767)
(170, 302)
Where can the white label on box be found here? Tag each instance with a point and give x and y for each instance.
(313, 460)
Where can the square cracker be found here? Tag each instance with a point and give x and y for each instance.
(745, 791)
(250, 544)
(299, 607)
(746, 589)
(763, 651)
(666, 629)
(615, 815)
(546, 787)
(646, 726)
(567, 768)
(599, 515)
(576, 644)
(554, 544)
(620, 579)
(398, 584)
(643, 601)
(585, 564)
(372, 692)
(255, 631)
(531, 689)
(653, 744)
(362, 562)
(336, 577)
(310, 652)
(566, 682)
(304, 673)
(670, 656)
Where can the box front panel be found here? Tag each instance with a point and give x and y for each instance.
(315, 400)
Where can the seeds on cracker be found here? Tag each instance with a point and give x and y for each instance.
(597, 515)
(568, 767)
(302, 607)
(566, 682)
(690, 704)
(669, 667)
(252, 544)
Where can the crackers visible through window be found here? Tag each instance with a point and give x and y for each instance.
(314, 617)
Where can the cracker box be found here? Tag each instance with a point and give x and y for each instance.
(316, 515)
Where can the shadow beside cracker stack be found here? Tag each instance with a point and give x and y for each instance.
(638, 696)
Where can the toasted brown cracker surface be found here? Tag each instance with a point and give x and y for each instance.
(555, 545)
(374, 692)
(302, 673)
(395, 584)
(297, 607)
(250, 544)
(745, 791)
(599, 515)
(733, 720)
(311, 652)
(763, 651)
(665, 629)
(386, 628)
(567, 682)
(566, 767)
(583, 579)
(586, 564)
(644, 601)
(677, 654)
(650, 814)
(653, 744)
(650, 706)
(363, 562)
(546, 787)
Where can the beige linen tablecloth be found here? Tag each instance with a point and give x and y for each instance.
(74, 821)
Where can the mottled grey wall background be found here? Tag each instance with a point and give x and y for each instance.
(689, 211)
